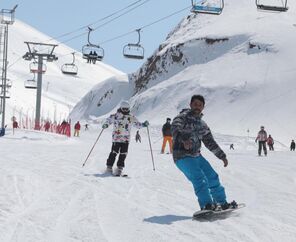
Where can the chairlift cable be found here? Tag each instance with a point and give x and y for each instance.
(97, 21)
(145, 26)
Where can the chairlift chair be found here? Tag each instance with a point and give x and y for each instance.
(34, 67)
(268, 6)
(7, 94)
(134, 50)
(70, 68)
(8, 84)
(202, 6)
(31, 83)
(92, 52)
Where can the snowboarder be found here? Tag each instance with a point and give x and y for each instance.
(167, 135)
(189, 130)
(76, 129)
(231, 147)
(292, 146)
(138, 137)
(270, 142)
(262, 138)
(122, 122)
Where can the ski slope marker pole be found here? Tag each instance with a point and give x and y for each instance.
(92, 147)
(151, 149)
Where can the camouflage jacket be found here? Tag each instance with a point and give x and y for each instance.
(122, 124)
(186, 126)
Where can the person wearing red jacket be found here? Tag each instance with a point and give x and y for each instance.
(76, 129)
(270, 142)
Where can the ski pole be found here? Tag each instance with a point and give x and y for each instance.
(92, 147)
(151, 149)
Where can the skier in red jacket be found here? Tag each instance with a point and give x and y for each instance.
(76, 129)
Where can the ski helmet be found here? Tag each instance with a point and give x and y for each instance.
(125, 105)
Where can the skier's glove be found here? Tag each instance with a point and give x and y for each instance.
(105, 126)
(145, 124)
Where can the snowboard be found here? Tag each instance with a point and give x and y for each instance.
(208, 214)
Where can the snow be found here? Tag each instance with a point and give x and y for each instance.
(46, 195)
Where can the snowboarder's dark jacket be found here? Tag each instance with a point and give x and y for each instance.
(186, 126)
(166, 129)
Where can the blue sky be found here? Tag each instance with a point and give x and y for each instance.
(56, 17)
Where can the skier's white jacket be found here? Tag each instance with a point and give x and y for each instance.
(122, 124)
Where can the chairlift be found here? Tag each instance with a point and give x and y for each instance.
(268, 5)
(31, 83)
(204, 7)
(34, 67)
(8, 84)
(134, 50)
(7, 94)
(92, 52)
(70, 68)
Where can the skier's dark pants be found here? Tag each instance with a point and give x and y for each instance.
(121, 148)
(292, 148)
(270, 147)
(262, 144)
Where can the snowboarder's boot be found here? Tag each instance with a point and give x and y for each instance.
(226, 205)
(209, 207)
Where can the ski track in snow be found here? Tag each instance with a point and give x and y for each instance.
(45, 194)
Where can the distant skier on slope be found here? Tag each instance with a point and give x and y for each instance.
(270, 142)
(292, 146)
(189, 130)
(122, 122)
(138, 137)
(262, 138)
(167, 136)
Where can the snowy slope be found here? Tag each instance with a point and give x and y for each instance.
(60, 92)
(242, 61)
(46, 196)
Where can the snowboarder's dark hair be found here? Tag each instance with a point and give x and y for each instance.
(168, 119)
(198, 97)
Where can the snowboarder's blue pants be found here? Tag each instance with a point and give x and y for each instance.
(205, 180)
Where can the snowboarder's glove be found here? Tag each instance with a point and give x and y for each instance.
(105, 126)
(145, 124)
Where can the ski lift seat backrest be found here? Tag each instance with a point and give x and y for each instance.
(207, 10)
(34, 67)
(133, 51)
(70, 69)
(31, 84)
(204, 7)
(273, 8)
(92, 52)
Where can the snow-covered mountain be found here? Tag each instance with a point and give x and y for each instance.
(243, 61)
(60, 92)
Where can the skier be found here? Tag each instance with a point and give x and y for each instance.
(47, 126)
(292, 146)
(76, 129)
(122, 122)
(86, 127)
(189, 130)
(138, 137)
(270, 142)
(231, 147)
(262, 138)
(167, 135)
